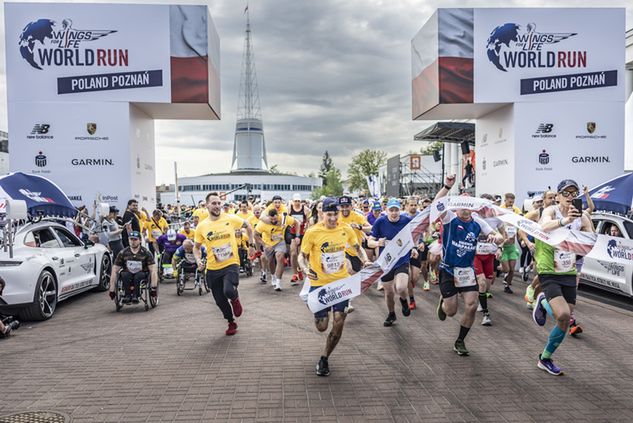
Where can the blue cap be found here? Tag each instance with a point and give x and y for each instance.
(134, 234)
(376, 206)
(393, 202)
(566, 183)
(330, 204)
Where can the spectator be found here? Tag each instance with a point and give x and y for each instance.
(130, 221)
(5, 330)
(615, 231)
(113, 231)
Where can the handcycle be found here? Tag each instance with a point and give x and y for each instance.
(145, 294)
(184, 269)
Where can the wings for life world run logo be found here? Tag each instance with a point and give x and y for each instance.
(616, 249)
(45, 42)
(514, 46)
(328, 296)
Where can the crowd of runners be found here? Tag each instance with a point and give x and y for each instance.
(329, 239)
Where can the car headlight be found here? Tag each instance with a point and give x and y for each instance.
(7, 263)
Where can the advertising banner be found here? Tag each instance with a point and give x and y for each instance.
(543, 54)
(495, 158)
(393, 176)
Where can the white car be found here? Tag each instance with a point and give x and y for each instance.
(49, 264)
(605, 274)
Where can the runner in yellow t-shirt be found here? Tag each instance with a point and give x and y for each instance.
(217, 234)
(201, 212)
(187, 231)
(322, 258)
(155, 227)
(271, 235)
(276, 204)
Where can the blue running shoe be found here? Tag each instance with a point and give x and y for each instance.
(539, 315)
(548, 365)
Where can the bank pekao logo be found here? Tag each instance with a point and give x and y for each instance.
(91, 127)
(510, 46)
(45, 43)
(616, 249)
(543, 157)
(40, 160)
(591, 127)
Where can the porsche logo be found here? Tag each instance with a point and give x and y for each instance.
(91, 127)
(591, 127)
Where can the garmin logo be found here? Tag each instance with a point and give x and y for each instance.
(499, 163)
(92, 162)
(590, 159)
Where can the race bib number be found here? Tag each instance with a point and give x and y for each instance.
(134, 266)
(484, 248)
(564, 261)
(156, 233)
(511, 231)
(298, 218)
(464, 277)
(223, 253)
(190, 257)
(332, 262)
(276, 237)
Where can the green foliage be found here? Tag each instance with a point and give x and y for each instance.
(332, 186)
(326, 166)
(428, 151)
(366, 163)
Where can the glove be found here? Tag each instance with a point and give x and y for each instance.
(112, 295)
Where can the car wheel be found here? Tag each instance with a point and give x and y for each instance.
(45, 303)
(104, 273)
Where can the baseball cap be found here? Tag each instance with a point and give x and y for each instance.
(365, 201)
(277, 197)
(113, 209)
(393, 202)
(376, 206)
(566, 183)
(330, 204)
(295, 197)
(537, 198)
(345, 200)
(134, 234)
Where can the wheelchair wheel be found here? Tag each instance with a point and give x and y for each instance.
(180, 283)
(153, 301)
(118, 296)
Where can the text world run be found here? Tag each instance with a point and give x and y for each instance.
(76, 57)
(545, 59)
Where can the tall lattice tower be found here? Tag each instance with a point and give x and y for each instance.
(249, 148)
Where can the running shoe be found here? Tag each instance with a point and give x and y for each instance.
(440, 311)
(426, 286)
(433, 277)
(391, 317)
(460, 347)
(412, 305)
(548, 365)
(539, 314)
(486, 321)
(479, 307)
(530, 306)
(575, 330)
(488, 294)
(232, 329)
(406, 311)
(294, 278)
(262, 278)
(380, 287)
(507, 289)
(277, 284)
(237, 307)
(526, 274)
(322, 367)
(529, 294)
(349, 308)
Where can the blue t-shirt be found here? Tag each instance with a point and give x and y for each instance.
(383, 228)
(459, 240)
(371, 218)
(180, 253)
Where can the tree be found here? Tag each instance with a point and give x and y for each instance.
(333, 185)
(428, 151)
(366, 163)
(326, 166)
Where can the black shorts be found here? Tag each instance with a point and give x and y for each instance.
(448, 288)
(230, 273)
(357, 265)
(416, 262)
(424, 254)
(403, 268)
(559, 285)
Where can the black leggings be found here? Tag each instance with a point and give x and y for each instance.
(223, 285)
(526, 257)
(133, 278)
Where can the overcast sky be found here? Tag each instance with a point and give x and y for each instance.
(333, 75)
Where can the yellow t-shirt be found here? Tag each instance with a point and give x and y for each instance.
(218, 236)
(202, 213)
(190, 234)
(274, 234)
(253, 220)
(246, 216)
(326, 250)
(281, 210)
(515, 209)
(357, 219)
(156, 228)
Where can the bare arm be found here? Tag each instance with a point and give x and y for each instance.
(153, 274)
(303, 260)
(449, 181)
(197, 253)
(115, 271)
(590, 206)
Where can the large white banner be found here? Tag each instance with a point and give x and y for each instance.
(548, 54)
(87, 52)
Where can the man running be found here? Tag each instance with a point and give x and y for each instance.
(457, 276)
(322, 258)
(271, 236)
(557, 272)
(217, 234)
(415, 267)
(510, 253)
(300, 213)
(385, 229)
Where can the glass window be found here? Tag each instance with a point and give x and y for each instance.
(67, 239)
(629, 228)
(42, 238)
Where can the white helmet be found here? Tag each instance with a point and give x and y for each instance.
(171, 235)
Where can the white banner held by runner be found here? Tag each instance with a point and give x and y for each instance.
(395, 249)
(457, 202)
(333, 293)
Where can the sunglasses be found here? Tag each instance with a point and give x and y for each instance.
(569, 193)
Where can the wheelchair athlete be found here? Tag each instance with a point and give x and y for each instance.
(167, 246)
(184, 260)
(135, 264)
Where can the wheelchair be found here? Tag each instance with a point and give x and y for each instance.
(144, 296)
(185, 269)
(163, 261)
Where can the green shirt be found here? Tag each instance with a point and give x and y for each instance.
(553, 261)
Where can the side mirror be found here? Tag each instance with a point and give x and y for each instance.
(16, 209)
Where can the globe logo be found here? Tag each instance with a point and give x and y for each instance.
(500, 36)
(611, 247)
(33, 32)
(322, 294)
